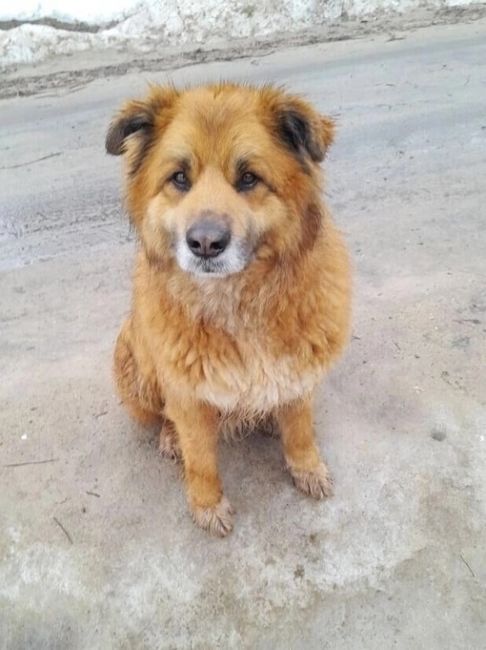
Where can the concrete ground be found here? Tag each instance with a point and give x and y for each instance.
(97, 550)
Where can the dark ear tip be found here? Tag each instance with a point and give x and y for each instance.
(114, 139)
(121, 128)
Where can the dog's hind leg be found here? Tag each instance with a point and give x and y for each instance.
(137, 384)
(169, 441)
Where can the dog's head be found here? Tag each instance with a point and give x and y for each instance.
(221, 176)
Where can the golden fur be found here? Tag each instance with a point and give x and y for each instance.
(198, 350)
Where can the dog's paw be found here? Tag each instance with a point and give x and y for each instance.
(217, 520)
(316, 483)
(169, 444)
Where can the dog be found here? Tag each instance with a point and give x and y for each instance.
(241, 298)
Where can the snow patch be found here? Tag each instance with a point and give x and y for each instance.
(69, 11)
(145, 24)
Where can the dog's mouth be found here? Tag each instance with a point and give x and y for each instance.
(213, 268)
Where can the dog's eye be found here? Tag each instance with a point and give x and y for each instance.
(247, 181)
(180, 180)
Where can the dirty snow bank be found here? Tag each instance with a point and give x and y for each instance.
(69, 11)
(142, 24)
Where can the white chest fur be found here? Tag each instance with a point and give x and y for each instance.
(261, 382)
(260, 385)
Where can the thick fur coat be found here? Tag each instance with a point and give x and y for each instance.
(241, 296)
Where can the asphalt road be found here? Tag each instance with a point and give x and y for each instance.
(97, 550)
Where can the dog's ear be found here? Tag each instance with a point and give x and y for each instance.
(132, 130)
(134, 117)
(304, 131)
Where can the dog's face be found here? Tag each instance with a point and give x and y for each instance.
(221, 176)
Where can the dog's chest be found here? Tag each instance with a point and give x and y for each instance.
(258, 384)
(238, 368)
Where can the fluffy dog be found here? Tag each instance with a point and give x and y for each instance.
(242, 283)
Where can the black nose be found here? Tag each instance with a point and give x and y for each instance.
(208, 238)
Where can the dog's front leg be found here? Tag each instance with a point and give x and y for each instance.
(309, 472)
(197, 428)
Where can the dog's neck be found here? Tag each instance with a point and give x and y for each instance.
(244, 300)
(230, 302)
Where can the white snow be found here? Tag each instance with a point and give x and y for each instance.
(144, 24)
(33, 43)
(69, 11)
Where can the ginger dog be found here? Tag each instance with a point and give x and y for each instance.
(242, 283)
